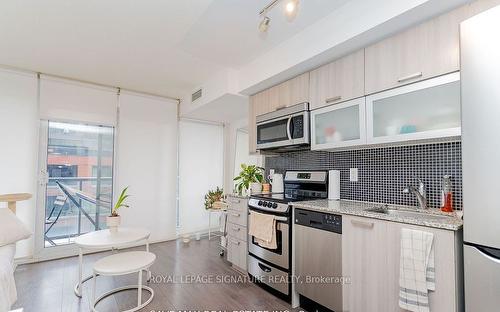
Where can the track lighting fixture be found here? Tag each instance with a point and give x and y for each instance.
(291, 7)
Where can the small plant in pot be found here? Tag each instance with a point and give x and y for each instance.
(113, 221)
(249, 179)
(214, 199)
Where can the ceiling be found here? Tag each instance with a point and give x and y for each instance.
(157, 46)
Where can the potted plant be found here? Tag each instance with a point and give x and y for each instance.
(113, 221)
(214, 199)
(250, 178)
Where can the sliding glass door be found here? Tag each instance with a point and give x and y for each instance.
(76, 178)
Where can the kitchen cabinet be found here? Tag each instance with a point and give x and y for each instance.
(448, 265)
(338, 125)
(237, 233)
(364, 264)
(424, 51)
(428, 109)
(370, 259)
(339, 81)
(289, 93)
(421, 52)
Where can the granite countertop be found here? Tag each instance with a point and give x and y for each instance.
(357, 208)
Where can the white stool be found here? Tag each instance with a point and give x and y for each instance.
(122, 264)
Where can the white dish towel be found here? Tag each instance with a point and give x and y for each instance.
(416, 270)
(263, 228)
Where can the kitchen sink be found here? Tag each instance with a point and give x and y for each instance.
(384, 209)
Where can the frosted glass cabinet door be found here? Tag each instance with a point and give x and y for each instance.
(423, 110)
(339, 125)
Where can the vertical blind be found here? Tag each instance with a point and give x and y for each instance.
(201, 160)
(67, 100)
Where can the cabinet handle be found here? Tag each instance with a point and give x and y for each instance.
(412, 76)
(333, 99)
(363, 223)
(237, 229)
(235, 243)
(235, 214)
(280, 107)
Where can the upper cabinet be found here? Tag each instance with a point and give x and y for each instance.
(427, 50)
(294, 91)
(338, 125)
(338, 81)
(428, 109)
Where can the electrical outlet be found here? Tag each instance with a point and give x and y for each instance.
(353, 174)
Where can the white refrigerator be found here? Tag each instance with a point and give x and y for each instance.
(480, 79)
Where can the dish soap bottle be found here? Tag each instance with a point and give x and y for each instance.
(446, 195)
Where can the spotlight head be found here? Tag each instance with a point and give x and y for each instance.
(264, 24)
(291, 8)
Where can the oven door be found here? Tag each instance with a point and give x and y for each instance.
(279, 256)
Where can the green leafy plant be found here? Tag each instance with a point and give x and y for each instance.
(120, 202)
(213, 196)
(249, 174)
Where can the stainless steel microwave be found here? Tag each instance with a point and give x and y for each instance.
(286, 128)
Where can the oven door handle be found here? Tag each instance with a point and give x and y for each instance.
(283, 219)
(277, 218)
(289, 128)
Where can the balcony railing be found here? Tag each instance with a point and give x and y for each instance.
(75, 221)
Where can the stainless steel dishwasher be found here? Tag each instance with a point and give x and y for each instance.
(318, 256)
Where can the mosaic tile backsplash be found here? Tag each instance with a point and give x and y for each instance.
(385, 171)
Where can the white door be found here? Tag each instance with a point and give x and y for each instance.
(75, 182)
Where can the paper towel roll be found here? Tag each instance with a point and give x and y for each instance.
(334, 184)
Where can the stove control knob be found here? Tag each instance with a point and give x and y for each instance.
(275, 205)
(259, 203)
(264, 203)
(269, 204)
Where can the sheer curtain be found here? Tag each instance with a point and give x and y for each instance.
(201, 160)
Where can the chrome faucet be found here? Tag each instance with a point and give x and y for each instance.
(419, 192)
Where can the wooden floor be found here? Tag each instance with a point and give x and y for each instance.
(48, 286)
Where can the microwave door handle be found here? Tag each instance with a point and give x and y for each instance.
(289, 128)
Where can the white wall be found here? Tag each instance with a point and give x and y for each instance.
(230, 152)
(147, 162)
(19, 141)
(201, 166)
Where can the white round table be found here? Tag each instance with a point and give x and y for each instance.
(104, 239)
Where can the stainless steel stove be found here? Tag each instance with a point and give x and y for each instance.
(271, 267)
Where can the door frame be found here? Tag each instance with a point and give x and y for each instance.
(40, 252)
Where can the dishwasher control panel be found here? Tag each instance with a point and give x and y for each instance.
(319, 220)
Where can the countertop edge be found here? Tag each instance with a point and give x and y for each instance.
(372, 215)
